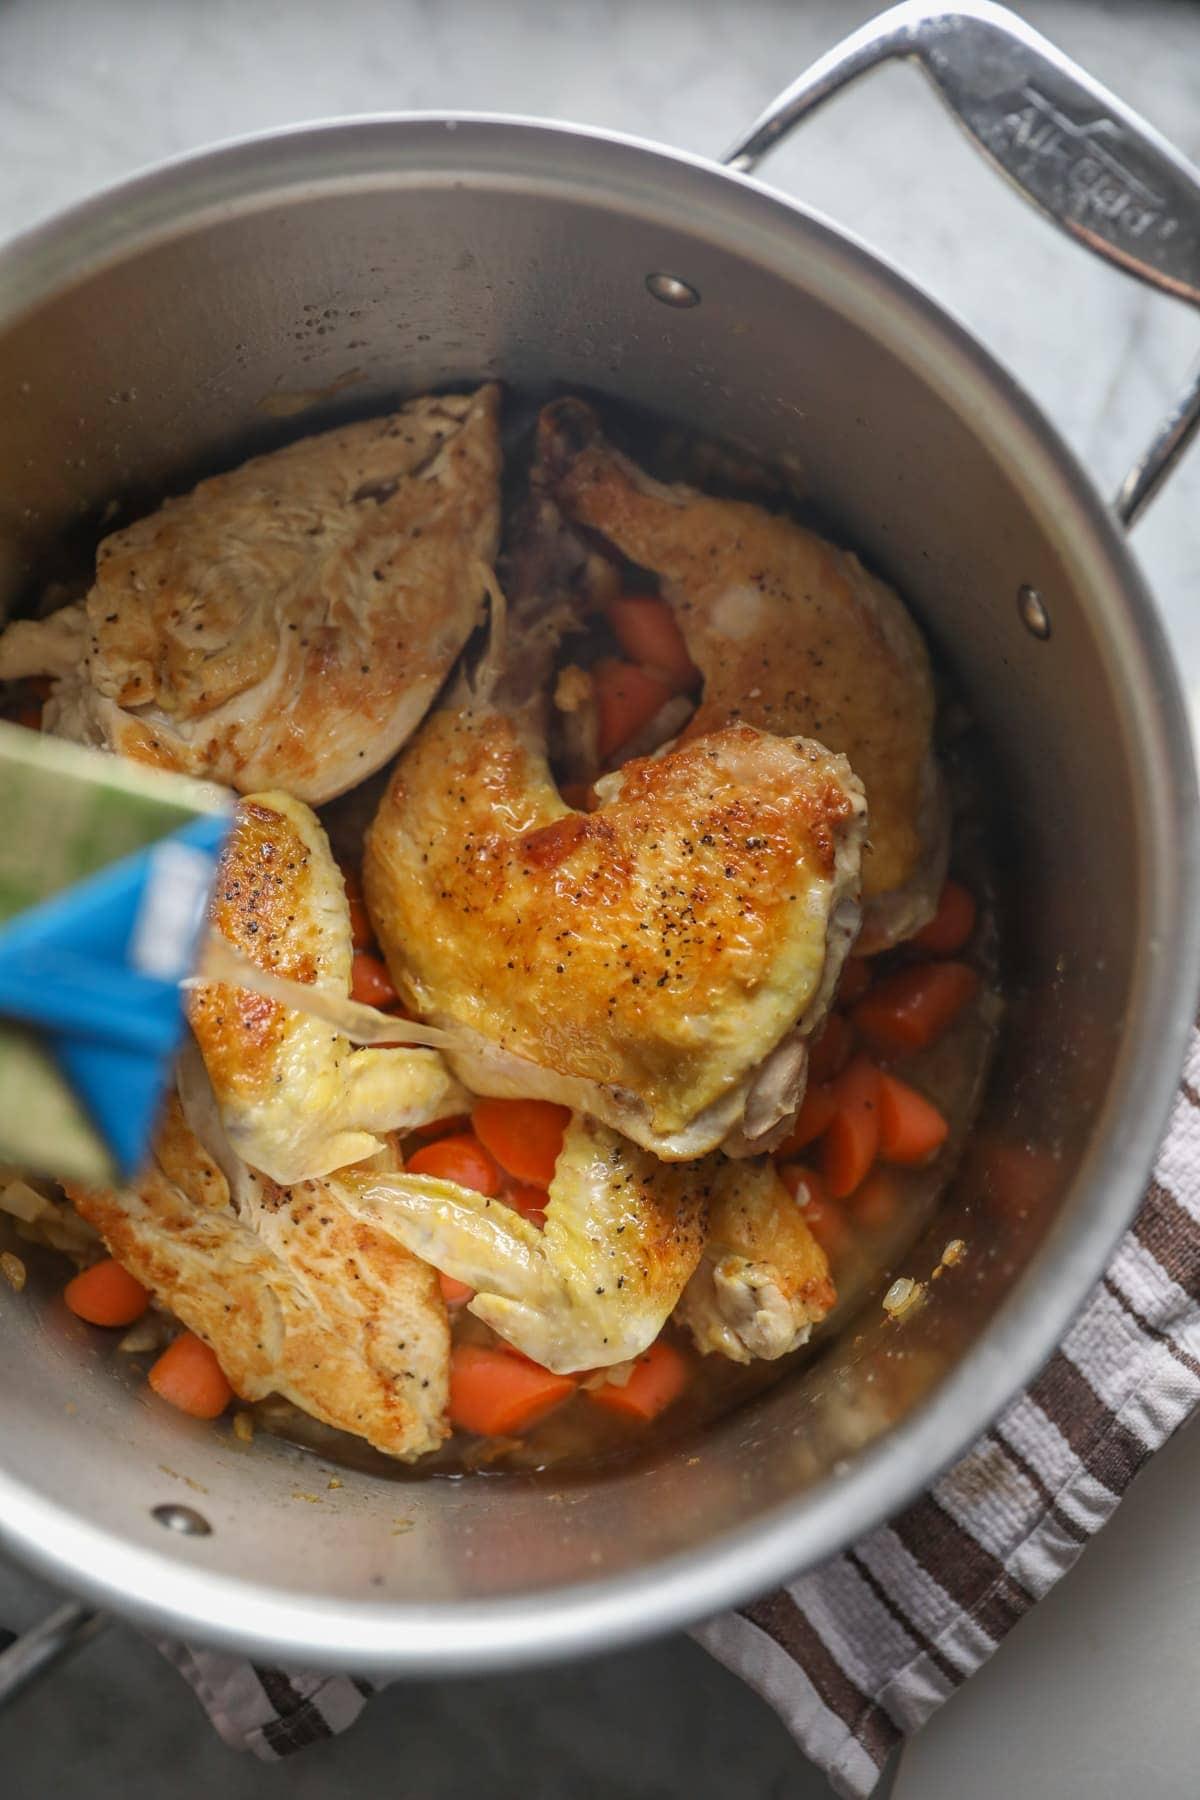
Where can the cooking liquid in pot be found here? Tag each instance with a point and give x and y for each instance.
(874, 1228)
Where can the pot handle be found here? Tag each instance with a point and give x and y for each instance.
(1073, 149)
(25, 1661)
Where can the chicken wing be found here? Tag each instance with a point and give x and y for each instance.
(763, 1281)
(296, 1099)
(623, 1234)
(791, 635)
(286, 624)
(657, 963)
(301, 1298)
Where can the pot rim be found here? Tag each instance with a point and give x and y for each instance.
(171, 1589)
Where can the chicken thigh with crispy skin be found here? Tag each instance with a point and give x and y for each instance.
(288, 623)
(296, 1293)
(763, 1281)
(790, 634)
(657, 963)
(297, 1100)
(623, 1234)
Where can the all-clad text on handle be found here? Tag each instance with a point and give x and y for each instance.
(1077, 152)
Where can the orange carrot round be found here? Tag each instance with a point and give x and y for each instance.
(495, 1394)
(658, 1379)
(911, 1129)
(814, 1116)
(455, 1293)
(524, 1136)
(370, 982)
(188, 1375)
(529, 1201)
(952, 924)
(823, 1216)
(913, 1008)
(849, 1145)
(875, 1203)
(648, 632)
(831, 1048)
(460, 1159)
(106, 1294)
(627, 698)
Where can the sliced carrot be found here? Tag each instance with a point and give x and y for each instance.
(814, 1116)
(370, 982)
(455, 1293)
(627, 698)
(849, 1145)
(106, 1294)
(578, 794)
(524, 1136)
(362, 932)
(856, 977)
(912, 1008)
(876, 1201)
(831, 1048)
(648, 632)
(911, 1129)
(495, 1394)
(530, 1202)
(660, 1376)
(462, 1159)
(188, 1375)
(952, 923)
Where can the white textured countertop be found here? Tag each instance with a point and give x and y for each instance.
(1091, 1696)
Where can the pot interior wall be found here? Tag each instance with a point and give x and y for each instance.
(383, 261)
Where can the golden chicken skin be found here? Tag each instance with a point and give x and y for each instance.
(658, 963)
(296, 1294)
(622, 1237)
(763, 1281)
(288, 623)
(297, 1100)
(790, 634)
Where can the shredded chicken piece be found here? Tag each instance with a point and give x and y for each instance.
(623, 1234)
(790, 634)
(763, 1281)
(297, 1100)
(643, 963)
(288, 623)
(296, 1294)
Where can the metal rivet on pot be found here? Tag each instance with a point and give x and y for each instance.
(1032, 609)
(184, 1519)
(671, 291)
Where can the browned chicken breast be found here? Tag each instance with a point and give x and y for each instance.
(623, 1234)
(297, 1100)
(791, 635)
(763, 1281)
(296, 1295)
(656, 963)
(286, 624)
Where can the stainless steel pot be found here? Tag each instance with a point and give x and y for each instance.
(172, 324)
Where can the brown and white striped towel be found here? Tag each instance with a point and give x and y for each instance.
(860, 1653)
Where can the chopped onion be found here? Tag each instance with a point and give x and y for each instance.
(13, 1270)
(22, 1202)
(902, 1296)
